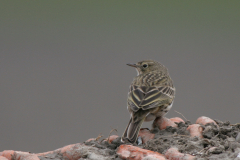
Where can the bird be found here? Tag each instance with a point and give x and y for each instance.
(151, 95)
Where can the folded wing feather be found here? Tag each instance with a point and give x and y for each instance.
(148, 97)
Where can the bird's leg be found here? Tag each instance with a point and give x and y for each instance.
(155, 122)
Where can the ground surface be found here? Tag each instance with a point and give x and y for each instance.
(171, 139)
(218, 142)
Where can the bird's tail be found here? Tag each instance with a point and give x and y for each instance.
(132, 130)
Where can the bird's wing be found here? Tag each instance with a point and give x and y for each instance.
(135, 97)
(145, 97)
(157, 97)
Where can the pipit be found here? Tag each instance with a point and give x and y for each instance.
(150, 96)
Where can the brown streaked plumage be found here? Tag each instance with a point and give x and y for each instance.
(151, 95)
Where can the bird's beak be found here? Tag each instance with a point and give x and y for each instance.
(132, 65)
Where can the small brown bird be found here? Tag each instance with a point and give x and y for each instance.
(150, 96)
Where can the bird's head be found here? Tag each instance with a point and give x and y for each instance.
(148, 66)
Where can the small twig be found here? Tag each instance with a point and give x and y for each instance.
(110, 133)
(207, 150)
(201, 150)
(216, 135)
(99, 136)
(174, 136)
(102, 140)
(204, 149)
(181, 114)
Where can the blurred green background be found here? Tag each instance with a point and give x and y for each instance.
(63, 74)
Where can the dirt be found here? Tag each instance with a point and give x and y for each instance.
(52, 156)
(104, 145)
(218, 143)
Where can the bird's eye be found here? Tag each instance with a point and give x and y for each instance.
(145, 66)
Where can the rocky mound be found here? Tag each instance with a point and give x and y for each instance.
(172, 139)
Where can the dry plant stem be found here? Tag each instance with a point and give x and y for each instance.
(111, 133)
(99, 136)
(174, 136)
(216, 135)
(204, 150)
(181, 115)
